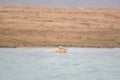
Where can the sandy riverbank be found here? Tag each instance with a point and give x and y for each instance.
(44, 26)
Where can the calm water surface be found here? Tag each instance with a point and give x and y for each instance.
(45, 64)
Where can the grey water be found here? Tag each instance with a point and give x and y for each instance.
(45, 64)
(67, 3)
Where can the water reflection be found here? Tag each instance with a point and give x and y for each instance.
(44, 64)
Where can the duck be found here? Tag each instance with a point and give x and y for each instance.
(61, 50)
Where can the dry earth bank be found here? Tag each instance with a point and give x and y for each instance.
(44, 26)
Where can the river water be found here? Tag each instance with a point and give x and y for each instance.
(45, 64)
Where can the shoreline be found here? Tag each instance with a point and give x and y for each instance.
(55, 47)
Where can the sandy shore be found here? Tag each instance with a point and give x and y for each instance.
(44, 26)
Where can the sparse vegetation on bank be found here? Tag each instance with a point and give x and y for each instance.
(43, 26)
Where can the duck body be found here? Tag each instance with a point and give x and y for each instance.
(61, 50)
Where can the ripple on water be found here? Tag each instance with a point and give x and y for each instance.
(44, 64)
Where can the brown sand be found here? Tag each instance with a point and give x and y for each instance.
(44, 26)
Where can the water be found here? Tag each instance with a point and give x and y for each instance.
(45, 64)
(65, 3)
